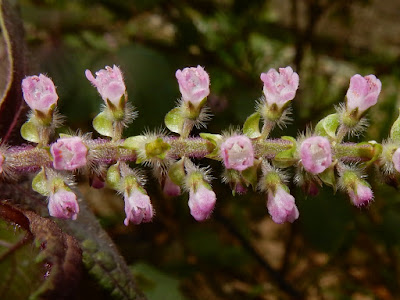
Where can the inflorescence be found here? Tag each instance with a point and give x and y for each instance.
(250, 158)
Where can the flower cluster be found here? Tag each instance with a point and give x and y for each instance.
(250, 159)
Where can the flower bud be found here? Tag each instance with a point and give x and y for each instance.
(359, 191)
(237, 152)
(360, 194)
(138, 207)
(194, 84)
(362, 93)
(201, 202)
(281, 206)
(39, 93)
(316, 154)
(69, 153)
(396, 159)
(279, 88)
(63, 204)
(109, 83)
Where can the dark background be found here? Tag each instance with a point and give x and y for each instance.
(334, 250)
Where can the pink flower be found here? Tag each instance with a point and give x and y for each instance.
(63, 205)
(138, 207)
(363, 92)
(170, 188)
(69, 153)
(396, 159)
(316, 154)
(194, 84)
(39, 93)
(281, 87)
(360, 194)
(201, 202)
(281, 206)
(237, 152)
(109, 83)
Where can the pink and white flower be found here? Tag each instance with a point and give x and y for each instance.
(316, 154)
(396, 159)
(360, 194)
(237, 152)
(281, 206)
(63, 204)
(109, 83)
(69, 153)
(363, 92)
(138, 207)
(279, 88)
(39, 93)
(194, 84)
(201, 202)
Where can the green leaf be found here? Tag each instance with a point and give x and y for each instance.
(30, 132)
(98, 250)
(174, 120)
(251, 126)
(214, 139)
(328, 126)
(13, 70)
(54, 269)
(155, 284)
(103, 124)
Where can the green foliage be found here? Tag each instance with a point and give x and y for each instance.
(156, 284)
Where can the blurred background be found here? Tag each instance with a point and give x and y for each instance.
(334, 250)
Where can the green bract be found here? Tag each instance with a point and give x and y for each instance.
(251, 126)
(103, 124)
(174, 120)
(29, 131)
(328, 126)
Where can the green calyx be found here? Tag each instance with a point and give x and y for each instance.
(130, 183)
(196, 179)
(157, 148)
(349, 179)
(272, 113)
(272, 180)
(351, 119)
